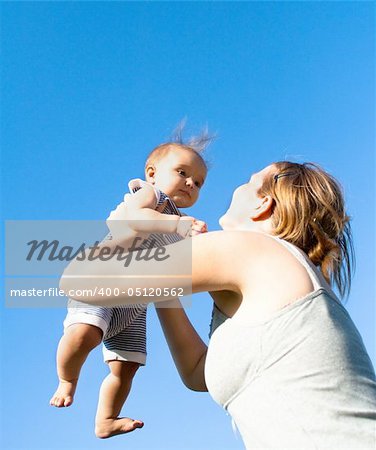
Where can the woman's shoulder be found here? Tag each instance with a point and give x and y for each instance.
(236, 244)
(214, 267)
(221, 260)
(234, 237)
(254, 264)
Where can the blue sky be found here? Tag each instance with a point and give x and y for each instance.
(88, 89)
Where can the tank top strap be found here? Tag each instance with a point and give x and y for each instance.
(315, 275)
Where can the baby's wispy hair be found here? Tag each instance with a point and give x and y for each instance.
(198, 143)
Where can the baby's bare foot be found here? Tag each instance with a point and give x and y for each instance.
(64, 394)
(111, 427)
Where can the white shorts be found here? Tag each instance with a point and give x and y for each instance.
(123, 328)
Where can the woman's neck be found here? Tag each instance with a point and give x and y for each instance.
(261, 226)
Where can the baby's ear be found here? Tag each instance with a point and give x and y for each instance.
(150, 173)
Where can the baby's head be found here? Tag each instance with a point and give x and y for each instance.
(178, 170)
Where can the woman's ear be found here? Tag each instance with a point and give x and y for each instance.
(264, 209)
(150, 173)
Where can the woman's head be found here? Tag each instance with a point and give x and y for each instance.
(304, 205)
(248, 210)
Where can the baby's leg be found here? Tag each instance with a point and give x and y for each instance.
(113, 393)
(124, 352)
(75, 345)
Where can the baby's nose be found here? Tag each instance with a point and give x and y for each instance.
(190, 182)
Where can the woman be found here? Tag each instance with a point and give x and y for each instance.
(289, 364)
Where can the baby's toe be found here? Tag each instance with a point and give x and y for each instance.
(68, 400)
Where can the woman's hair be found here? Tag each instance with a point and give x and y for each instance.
(309, 212)
(196, 144)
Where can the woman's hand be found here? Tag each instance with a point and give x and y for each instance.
(198, 227)
(119, 221)
(189, 226)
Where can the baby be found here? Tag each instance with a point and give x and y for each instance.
(174, 174)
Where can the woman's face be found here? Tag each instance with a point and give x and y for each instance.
(245, 202)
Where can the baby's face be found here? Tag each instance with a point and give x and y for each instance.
(180, 175)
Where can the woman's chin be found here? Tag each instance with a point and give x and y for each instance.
(225, 222)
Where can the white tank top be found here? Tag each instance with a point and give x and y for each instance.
(301, 379)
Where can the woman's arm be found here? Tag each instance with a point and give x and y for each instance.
(139, 212)
(186, 347)
(209, 262)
